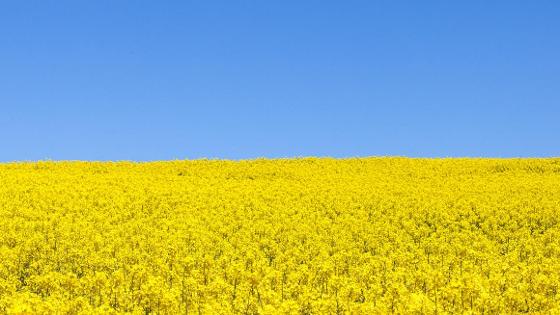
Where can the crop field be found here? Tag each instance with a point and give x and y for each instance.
(281, 236)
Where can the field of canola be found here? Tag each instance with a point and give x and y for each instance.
(287, 236)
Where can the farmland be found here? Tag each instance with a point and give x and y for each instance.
(281, 236)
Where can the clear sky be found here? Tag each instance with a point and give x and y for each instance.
(152, 80)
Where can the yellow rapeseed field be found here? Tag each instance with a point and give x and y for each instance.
(284, 236)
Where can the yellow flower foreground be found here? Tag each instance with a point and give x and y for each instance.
(287, 236)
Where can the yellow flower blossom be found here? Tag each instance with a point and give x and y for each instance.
(283, 236)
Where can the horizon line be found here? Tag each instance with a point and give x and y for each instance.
(305, 157)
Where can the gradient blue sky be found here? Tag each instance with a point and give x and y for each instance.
(152, 80)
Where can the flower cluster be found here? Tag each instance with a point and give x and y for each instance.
(284, 236)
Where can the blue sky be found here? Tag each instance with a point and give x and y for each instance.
(153, 80)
